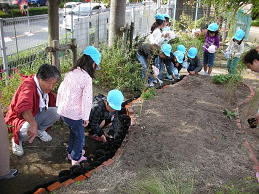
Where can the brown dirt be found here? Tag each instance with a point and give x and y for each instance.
(182, 128)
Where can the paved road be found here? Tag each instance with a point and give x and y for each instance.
(254, 34)
(33, 33)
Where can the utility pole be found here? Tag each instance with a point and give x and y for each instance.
(53, 26)
(117, 20)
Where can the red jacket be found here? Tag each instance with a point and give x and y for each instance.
(25, 98)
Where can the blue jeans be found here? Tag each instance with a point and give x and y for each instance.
(76, 138)
(143, 62)
(208, 58)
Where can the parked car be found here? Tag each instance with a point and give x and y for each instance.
(148, 2)
(37, 2)
(81, 11)
(69, 6)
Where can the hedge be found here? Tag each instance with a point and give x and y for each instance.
(255, 22)
(17, 12)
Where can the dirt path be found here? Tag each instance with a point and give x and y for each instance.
(182, 128)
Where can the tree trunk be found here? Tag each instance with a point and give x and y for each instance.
(53, 27)
(117, 20)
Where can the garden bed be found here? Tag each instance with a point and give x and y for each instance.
(183, 129)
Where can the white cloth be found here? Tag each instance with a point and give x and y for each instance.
(156, 37)
(234, 49)
(44, 97)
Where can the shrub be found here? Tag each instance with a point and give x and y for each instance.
(7, 91)
(118, 69)
(148, 94)
(228, 78)
(255, 22)
(17, 12)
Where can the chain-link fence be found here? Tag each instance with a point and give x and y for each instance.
(24, 37)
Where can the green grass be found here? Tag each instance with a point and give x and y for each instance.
(148, 94)
(17, 12)
(163, 182)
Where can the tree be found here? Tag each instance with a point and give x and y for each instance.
(117, 19)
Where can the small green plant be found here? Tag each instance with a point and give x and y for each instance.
(228, 78)
(148, 94)
(230, 114)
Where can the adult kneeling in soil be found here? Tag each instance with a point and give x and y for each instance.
(32, 108)
(74, 101)
(251, 60)
(103, 113)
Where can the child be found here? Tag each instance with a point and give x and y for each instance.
(194, 64)
(210, 46)
(103, 112)
(181, 48)
(159, 64)
(234, 50)
(156, 36)
(74, 101)
(144, 55)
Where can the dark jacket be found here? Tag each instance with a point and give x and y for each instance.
(194, 64)
(98, 114)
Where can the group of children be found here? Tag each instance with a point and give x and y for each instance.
(156, 54)
(85, 112)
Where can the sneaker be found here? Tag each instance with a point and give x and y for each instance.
(77, 162)
(155, 81)
(69, 155)
(17, 148)
(12, 173)
(151, 84)
(44, 136)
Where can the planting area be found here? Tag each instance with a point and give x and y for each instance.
(182, 129)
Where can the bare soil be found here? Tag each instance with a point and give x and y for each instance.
(182, 128)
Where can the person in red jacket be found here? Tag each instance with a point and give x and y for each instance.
(32, 109)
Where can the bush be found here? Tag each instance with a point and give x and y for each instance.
(18, 13)
(228, 78)
(118, 69)
(255, 23)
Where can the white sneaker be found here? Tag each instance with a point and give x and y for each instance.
(17, 148)
(44, 136)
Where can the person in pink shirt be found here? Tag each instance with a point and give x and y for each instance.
(74, 101)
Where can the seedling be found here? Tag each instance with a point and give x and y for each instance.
(230, 114)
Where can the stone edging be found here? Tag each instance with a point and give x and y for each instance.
(57, 185)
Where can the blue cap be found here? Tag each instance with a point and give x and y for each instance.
(160, 17)
(213, 27)
(239, 35)
(179, 56)
(94, 54)
(115, 99)
(166, 16)
(181, 48)
(192, 52)
(166, 49)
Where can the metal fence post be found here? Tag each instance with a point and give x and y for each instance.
(3, 49)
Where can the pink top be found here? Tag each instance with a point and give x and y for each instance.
(75, 95)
